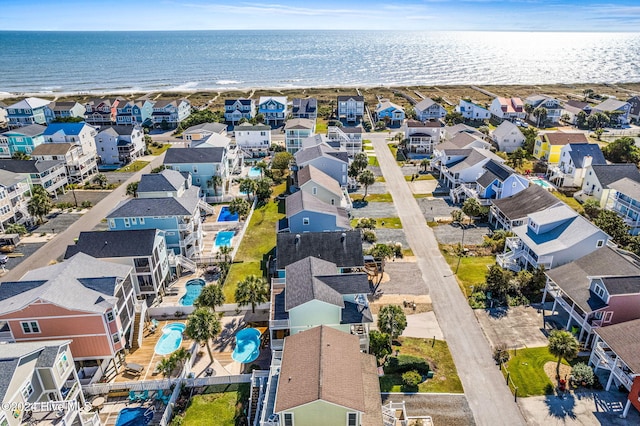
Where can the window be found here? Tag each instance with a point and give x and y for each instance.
(134, 221)
(110, 316)
(126, 222)
(115, 337)
(27, 390)
(608, 316)
(62, 364)
(112, 223)
(352, 419)
(30, 327)
(141, 220)
(305, 220)
(600, 243)
(599, 291)
(288, 419)
(314, 190)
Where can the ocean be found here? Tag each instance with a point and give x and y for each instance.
(121, 62)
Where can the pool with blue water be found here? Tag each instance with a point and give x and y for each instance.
(194, 288)
(171, 338)
(254, 172)
(138, 416)
(226, 216)
(247, 345)
(224, 238)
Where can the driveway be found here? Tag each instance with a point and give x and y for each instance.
(444, 409)
(489, 399)
(517, 327)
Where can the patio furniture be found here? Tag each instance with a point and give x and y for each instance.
(138, 396)
(97, 403)
(160, 396)
(133, 368)
(209, 372)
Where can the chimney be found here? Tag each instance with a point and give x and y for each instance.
(586, 161)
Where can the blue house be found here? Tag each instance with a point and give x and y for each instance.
(388, 111)
(307, 213)
(497, 181)
(135, 112)
(316, 152)
(22, 139)
(26, 112)
(203, 163)
(274, 109)
(64, 110)
(165, 201)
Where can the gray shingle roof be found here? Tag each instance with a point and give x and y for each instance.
(299, 123)
(475, 156)
(530, 200)
(194, 155)
(609, 173)
(167, 206)
(118, 130)
(627, 187)
(610, 105)
(167, 180)
(69, 284)
(303, 285)
(344, 251)
(486, 179)
(30, 130)
(303, 201)
(8, 179)
(424, 104)
(355, 98)
(573, 278)
(52, 149)
(28, 166)
(624, 340)
(311, 173)
(304, 105)
(622, 285)
(309, 153)
(504, 129)
(580, 150)
(102, 244)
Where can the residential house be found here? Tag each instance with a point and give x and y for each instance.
(23, 139)
(455, 148)
(507, 109)
(166, 201)
(596, 290)
(202, 132)
(389, 112)
(616, 349)
(58, 110)
(67, 153)
(3, 115)
(549, 146)
(617, 110)
(296, 130)
(350, 108)
(634, 110)
(144, 250)
(86, 300)
(552, 105)
(314, 293)
(205, 166)
(452, 131)
(624, 199)
(323, 186)
(510, 212)
(572, 108)
(508, 137)
(575, 158)
(102, 111)
(472, 111)
(315, 152)
(83, 163)
(323, 378)
(237, 109)
(422, 137)
(51, 175)
(344, 248)
(459, 166)
(307, 213)
(120, 144)
(497, 181)
(551, 238)
(274, 109)
(428, 109)
(170, 113)
(598, 178)
(253, 140)
(27, 112)
(135, 113)
(14, 196)
(40, 386)
(304, 108)
(345, 138)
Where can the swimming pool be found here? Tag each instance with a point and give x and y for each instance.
(226, 216)
(224, 238)
(541, 182)
(254, 172)
(171, 338)
(138, 416)
(247, 345)
(193, 287)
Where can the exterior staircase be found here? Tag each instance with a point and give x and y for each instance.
(183, 262)
(206, 207)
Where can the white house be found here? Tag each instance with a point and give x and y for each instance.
(598, 177)
(296, 130)
(472, 111)
(253, 139)
(120, 144)
(346, 138)
(428, 109)
(508, 137)
(460, 166)
(422, 137)
(170, 113)
(507, 108)
(350, 108)
(496, 182)
(572, 108)
(575, 158)
(84, 161)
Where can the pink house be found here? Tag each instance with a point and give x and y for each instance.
(88, 301)
(507, 108)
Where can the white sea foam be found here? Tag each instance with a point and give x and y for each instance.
(228, 82)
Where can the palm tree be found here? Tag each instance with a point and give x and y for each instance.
(132, 189)
(366, 179)
(540, 113)
(210, 297)
(101, 180)
(262, 166)
(225, 251)
(248, 186)
(239, 206)
(215, 182)
(202, 326)
(180, 357)
(19, 155)
(39, 205)
(528, 108)
(563, 345)
(252, 291)
(166, 366)
(15, 228)
(424, 164)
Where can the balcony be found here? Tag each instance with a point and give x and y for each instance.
(514, 243)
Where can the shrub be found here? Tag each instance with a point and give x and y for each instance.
(367, 223)
(369, 236)
(581, 372)
(404, 363)
(411, 378)
(501, 354)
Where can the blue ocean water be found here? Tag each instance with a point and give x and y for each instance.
(198, 60)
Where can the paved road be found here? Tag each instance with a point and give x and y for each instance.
(489, 398)
(55, 248)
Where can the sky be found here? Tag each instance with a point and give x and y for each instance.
(425, 15)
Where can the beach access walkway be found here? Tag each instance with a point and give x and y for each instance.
(484, 386)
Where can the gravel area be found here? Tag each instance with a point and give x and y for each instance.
(409, 169)
(434, 207)
(376, 170)
(404, 278)
(94, 196)
(386, 236)
(452, 234)
(376, 188)
(449, 410)
(117, 177)
(27, 249)
(374, 209)
(59, 221)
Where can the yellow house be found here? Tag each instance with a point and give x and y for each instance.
(549, 145)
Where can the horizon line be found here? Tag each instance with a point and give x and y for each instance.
(324, 29)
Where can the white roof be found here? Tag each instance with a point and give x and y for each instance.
(30, 103)
(504, 129)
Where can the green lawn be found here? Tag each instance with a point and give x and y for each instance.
(383, 222)
(526, 368)
(136, 166)
(373, 161)
(258, 240)
(374, 198)
(380, 179)
(157, 151)
(368, 148)
(472, 270)
(437, 354)
(420, 177)
(321, 126)
(572, 202)
(417, 196)
(217, 409)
